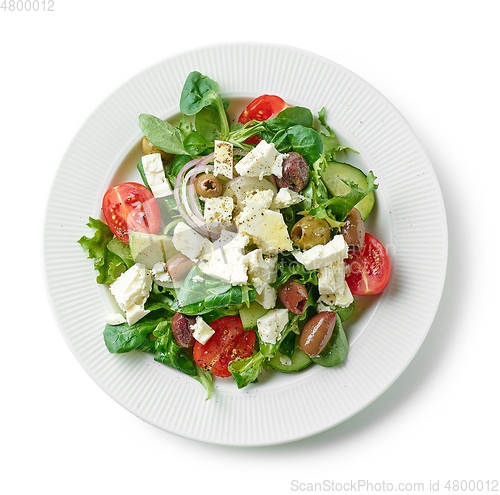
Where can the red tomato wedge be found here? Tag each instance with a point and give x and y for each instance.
(229, 342)
(370, 268)
(131, 207)
(262, 108)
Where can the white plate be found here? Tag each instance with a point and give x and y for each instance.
(409, 218)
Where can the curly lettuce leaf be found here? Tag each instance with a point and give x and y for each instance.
(109, 265)
(246, 370)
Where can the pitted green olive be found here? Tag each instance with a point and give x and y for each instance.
(309, 232)
(149, 149)
(208, 186)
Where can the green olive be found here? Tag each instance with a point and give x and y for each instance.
(310, 231)
(149, 149)
(208, 186)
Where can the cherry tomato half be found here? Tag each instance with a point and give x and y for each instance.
(370, 268)
(262, 108)
(229, 342)
(131, 207)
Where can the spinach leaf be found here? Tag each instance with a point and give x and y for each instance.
(162, 134)
(336, 350)
(306, 141)
(125, 338)
(246, 370)
(169, 352)
(140, 168)
(108, 264)
(344, 313)
(197, 297)
(200, 91)
(196, 144)
(297, 115)
(176, 166)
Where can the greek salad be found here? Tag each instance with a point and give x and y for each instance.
(244, 246)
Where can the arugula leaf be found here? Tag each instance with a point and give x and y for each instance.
(336, 350)
(200, 91)
(162, 134)
(206, 379)
(246, 370)
(109, 264)
(331, 143)
(339, 207)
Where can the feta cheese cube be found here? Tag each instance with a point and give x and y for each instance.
(272, 324)
(201, 330)
(323, 255)
(261, 270)
(332, 284)
(218, 211)
(155, 175)
(262, 161)
(259, 199)
(286, 197)
(267, 229)
(227, 260)
(223, 159)
(131, 290)
(267, 296)
(189, 242)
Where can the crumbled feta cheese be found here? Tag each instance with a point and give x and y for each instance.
(189, 242)
(115, 319)
(262, 161)
(323, 255)
(131, 290)
(201, 330)
(223, 159)
(227, 260)
(160, 274)
(218, 211)
(267, 229)
(286, 197)
(261, 270)
(155, 175)
(271, 325)
(259, 199)
(285, 360)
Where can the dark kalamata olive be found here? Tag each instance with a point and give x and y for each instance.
(181, 330)
(317, 332)
(295, 172)
(293, 295)
(207, 186)
(354, 230)
(310, 231)
(178, 266)
(149, 149)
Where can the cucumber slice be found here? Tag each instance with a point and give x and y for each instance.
(250, 315)
(299, 361)
(336, 171)
(150, 249)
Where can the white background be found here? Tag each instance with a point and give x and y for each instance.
(436, 61)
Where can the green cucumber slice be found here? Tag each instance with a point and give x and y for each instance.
(250, 315)
(299, 360)
(336, 171)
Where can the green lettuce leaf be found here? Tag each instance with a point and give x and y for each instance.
(109, 264)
